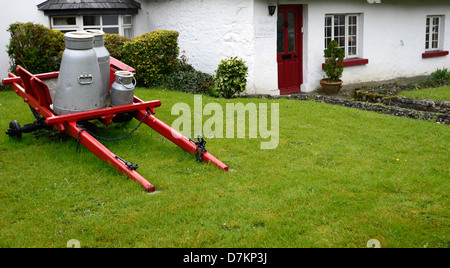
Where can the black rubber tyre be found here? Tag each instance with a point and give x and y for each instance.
(14, 130)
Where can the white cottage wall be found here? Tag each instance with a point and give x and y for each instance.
(209, 30)
(392, 39)
(392, 36)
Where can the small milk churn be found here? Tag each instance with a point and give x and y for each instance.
(79, 86)
(103, 58)
(122, 90)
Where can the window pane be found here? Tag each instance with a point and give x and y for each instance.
(91, 20)
(328, 32)
(341, 42)
(113, 30)
(111, 20)
(291, 32)
(128, 32)
(60, 21)
(327, 42)
(328, 21)
(127, 20)
(434, 44)
(280, 33)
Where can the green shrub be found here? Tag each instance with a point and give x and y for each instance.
(185, 78)
(438, 77)
(114, 44)
(35, 47)
(334, 57)
(190, 81)
(231, 77)
(153, 55)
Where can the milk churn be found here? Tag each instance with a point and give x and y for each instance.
(79, 86)
(103, 58)
(122, 90)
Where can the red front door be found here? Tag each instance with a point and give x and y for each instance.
(289, 48)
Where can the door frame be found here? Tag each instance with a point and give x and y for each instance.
(299, 46)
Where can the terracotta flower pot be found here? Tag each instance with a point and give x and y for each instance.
(330, 88)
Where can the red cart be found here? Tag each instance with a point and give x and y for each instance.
(36, 93)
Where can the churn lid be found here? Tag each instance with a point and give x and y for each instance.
(98, 36)
(79, 40)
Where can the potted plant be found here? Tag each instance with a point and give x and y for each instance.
(334, 58)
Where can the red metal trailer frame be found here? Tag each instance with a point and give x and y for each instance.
(36, 93)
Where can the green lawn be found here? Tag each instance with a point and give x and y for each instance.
(338, 178)
(439, 93)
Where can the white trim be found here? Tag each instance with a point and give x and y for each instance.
(440, 33)
(80, 25)
(358, 32)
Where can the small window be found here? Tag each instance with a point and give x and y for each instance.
(112, 30)
(344, 29)
(64, 21)
(434, 33)
(127, 20)
(110, 20)
(112, 24)
(91, 20)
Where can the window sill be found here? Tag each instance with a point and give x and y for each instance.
(432, 54)
(352, 62)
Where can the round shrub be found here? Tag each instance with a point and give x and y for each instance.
(231, 77)
(153, 55)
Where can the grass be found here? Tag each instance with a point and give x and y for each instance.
(439, 93)
(338, 178)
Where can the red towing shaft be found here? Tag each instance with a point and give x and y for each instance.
(106, 155)
(177, 138)
(36, 94)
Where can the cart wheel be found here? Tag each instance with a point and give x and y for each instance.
(14, 130)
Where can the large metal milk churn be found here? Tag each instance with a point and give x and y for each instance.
(122, 90)
(103, 58)
(79, 86)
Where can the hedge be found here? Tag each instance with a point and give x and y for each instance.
(114, 44)
(39, 50)
(153, 55)
(35, 47)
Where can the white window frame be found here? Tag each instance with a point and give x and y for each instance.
(357, 34)
(80, 25)
(430, 31)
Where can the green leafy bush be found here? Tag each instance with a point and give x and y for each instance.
(35, 47)
(185, 78)
(153, 55)
(334, 58)
(191, 81)
(114, 44)
(231, 77)
(439, 76)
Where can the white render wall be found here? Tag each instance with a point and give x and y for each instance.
(392, 34)
(17, 11)
(209, 30)
(393, 39)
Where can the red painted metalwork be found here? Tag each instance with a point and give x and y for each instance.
(35, 93)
